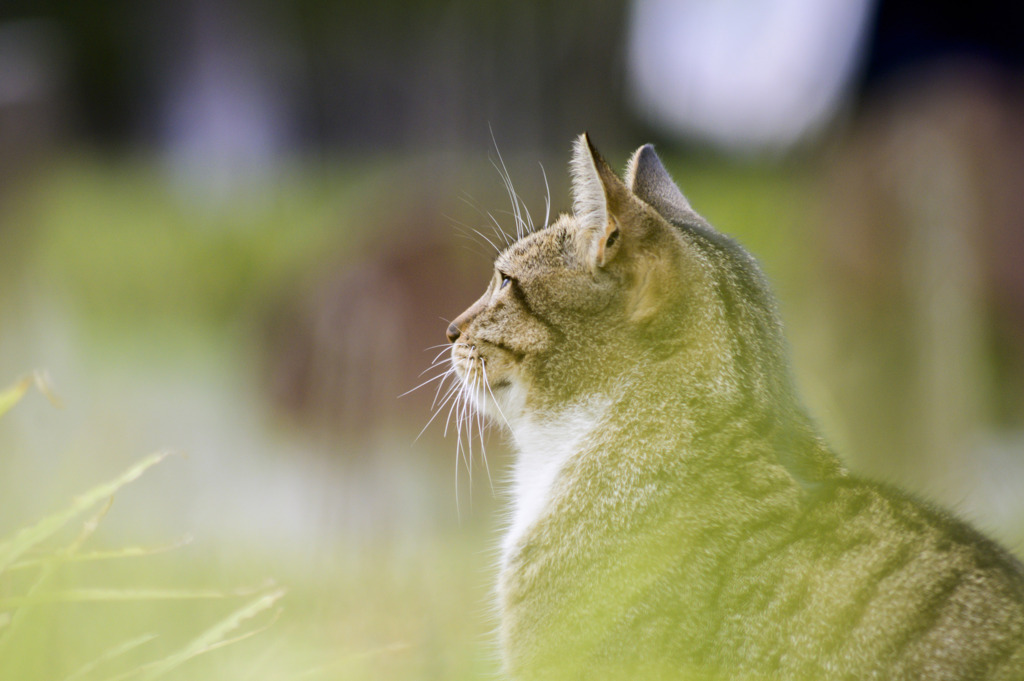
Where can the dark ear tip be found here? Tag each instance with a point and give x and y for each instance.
(590, 143)
(594, 153)
(648, 155)
(648, 164)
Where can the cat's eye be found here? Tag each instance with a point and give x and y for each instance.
(612, 238)
(505, 279)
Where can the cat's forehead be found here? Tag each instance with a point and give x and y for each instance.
(547, 247)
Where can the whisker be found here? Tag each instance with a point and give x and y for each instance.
(510, 190)
(438, 360)
(458, 510)
(498, 250)
(482, 427)
(459, 446)
(507, 179)
(526, 209)
(459, 233)
(496, 227)
(547, 196)
(464, 229)
(468, 420)
(445, 350)
(468, 249)
(447, 421)
(487, 384)
(450, 372)
(429, 380)
(447, 397)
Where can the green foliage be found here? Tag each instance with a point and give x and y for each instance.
(124, 247)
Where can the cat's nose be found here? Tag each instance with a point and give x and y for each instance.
(453, 333)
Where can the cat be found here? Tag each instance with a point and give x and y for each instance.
(675, 513)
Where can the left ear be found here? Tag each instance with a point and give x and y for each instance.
(600, 200)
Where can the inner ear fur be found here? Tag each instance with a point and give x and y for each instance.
(613, 219)
(601, 202)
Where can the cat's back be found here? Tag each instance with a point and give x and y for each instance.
(871, 583)
(864, 582)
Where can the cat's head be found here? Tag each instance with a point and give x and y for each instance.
(632, 281)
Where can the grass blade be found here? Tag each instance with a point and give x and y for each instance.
(113, 595)
(12, 395)
(116, 651)
(94, 556)
(209, 640)
(28, 537)
(46, 574)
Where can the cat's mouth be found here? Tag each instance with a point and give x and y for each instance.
(469, 366)
(477, 374)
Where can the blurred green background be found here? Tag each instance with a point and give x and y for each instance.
(230, 230)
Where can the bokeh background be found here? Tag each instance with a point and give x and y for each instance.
(230, 229)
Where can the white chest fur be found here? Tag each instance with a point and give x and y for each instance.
(545, 446)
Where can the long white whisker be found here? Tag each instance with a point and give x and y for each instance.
(458, 510)
(482, 427)
(467, 453)
(497, 406)
(496, 227)
(448, 392)
(511, 195)
(468, 420)
(458, 442)
(482, 236)
(503, 171)
(429, 380)
(547, 196)
(526, 210)
(448, 396)
(437, 361)
(470, 239)
(448, 419)
(464, 229)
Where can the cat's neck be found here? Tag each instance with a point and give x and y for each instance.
(545, 443)
(548, 438)
(645, 423)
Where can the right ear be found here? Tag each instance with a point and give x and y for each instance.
(651, 183)
(599, 201)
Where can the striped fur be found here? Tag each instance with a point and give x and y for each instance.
(676, 514)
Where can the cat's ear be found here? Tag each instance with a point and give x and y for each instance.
(599, 199)
(651, 183)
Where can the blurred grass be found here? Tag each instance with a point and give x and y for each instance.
(20, 630)
(381, 611)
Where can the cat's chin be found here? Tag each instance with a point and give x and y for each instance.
(499, 400)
